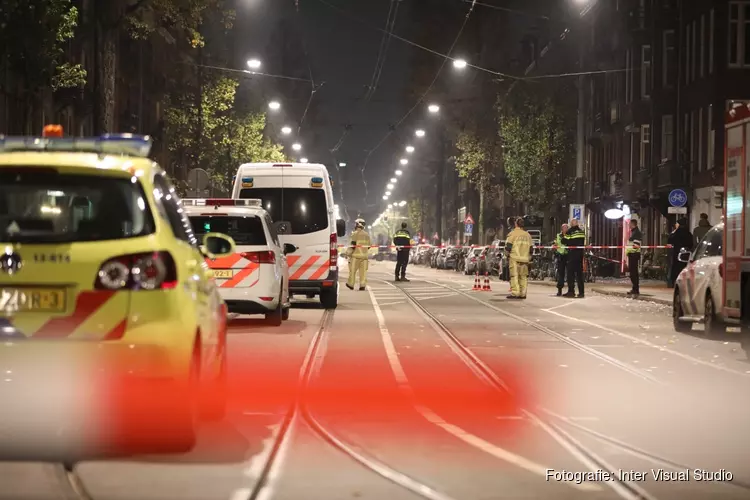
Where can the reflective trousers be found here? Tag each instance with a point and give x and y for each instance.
(519, 278)
(358, 266)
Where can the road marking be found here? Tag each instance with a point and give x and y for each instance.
(686, 357)
(479, 443)
(561, 305)
(431, 297)
(258, 461)
(392, 303)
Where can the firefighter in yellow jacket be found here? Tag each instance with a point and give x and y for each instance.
(518, 245)
(358, 254)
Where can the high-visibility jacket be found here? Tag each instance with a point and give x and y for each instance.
(360, 245)
(402, 238)
(561, 248)
(575, 237)
(634, 242)
(519, 245)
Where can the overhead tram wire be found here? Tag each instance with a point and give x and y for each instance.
(313, 88)
(390, 23)
(419, 101)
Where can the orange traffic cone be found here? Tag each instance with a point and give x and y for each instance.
(486, 287)
(477, 286)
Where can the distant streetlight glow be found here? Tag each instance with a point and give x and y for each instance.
(390, 186)
(404, 161)
(399, 172)
(459, 64)
(385, 196)
(402, 204)
(254, 64)
(390, 205)
(387, 193)
(420, 133)
(274, 105)
(394, 180)
(286, 130)
(342, 164)
(409, 149)
(303, 160)
(296, 146)
(433, 108)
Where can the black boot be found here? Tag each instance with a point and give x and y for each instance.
(559, 292)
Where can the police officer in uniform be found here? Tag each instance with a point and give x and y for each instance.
(402, 241)
(562, 258)
(575, 237)
(358, 254)
(633, 252)
(518, 245)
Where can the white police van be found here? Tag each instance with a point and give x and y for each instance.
(299, 198)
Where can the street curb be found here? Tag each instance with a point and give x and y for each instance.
(655, 300)
(612, 293)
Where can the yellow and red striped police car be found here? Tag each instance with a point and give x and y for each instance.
(97, 256)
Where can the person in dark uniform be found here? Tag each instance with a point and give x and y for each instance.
(633, 252)
(402, 241)
(575, 237)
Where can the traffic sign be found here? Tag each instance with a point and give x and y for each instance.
(576, 212)
(678, 198)
(469, 220)
(677, 210)
(468, 228)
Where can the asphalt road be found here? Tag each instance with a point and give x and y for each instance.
(430, 390)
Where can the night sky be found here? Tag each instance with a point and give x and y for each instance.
(341, 54)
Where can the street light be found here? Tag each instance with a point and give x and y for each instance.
(387, 193)
(296, 146)
(459, 64)
(342, 164)
(394, 180)
(274, 105)
(409, 149)
(286, 130)
(390, 186)
(385, 196)
(402, 204)
(303, 160)
(433, 108)
(390, 205)
(254, 64)
(420, 133)
(404, 161)
(399, 172)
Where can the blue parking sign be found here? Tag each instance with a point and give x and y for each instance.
(577, 213)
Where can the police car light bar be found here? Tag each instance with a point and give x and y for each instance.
(109, 144)
(221, 202)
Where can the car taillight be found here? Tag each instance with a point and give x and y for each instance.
(267, 257)
(141, 271)
(334, 250)
(721, 269)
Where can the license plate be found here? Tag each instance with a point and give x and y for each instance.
(32, 299)
(223, 273)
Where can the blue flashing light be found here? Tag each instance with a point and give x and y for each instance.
(108, 144)
(317, 180)
(247, 179)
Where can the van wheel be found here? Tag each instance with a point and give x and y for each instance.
(329, 299)
(677, 312)
(285, 313)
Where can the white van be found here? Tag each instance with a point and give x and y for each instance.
(299, 198)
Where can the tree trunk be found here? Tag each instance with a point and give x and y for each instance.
(106, 67)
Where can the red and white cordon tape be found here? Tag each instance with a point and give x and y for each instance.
(548, 247)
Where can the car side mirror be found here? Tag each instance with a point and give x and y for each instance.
(340, 228)
(217, 245)
(684, 255)
(289, 248)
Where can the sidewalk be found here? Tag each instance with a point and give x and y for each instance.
(651, 291)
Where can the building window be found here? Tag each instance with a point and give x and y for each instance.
(711, 42)
(667, 137)
(739, 34)
(703, 47)
(711, 137)
(694, 51)
(645, 141)
(646, 71)
(687, 53)
(668, 54)
(699, 140)
(628, 76)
